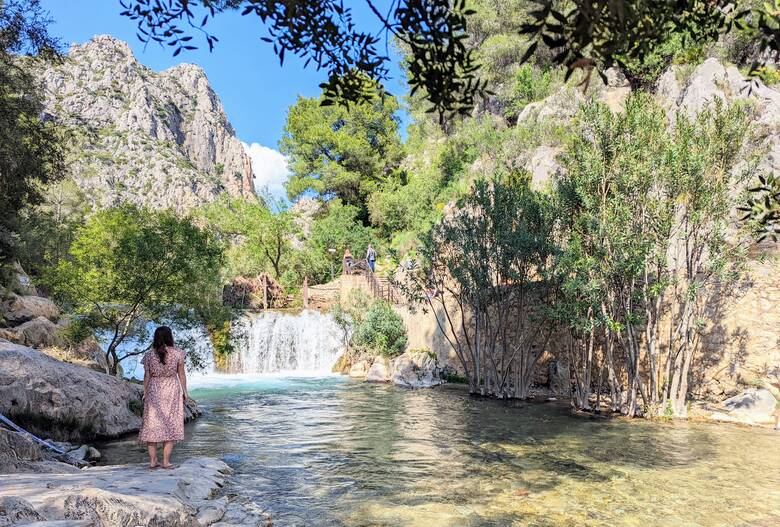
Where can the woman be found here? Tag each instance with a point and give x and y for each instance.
(165, 390)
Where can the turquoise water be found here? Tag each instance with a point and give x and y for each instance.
(334, 452)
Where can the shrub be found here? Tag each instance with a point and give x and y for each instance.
(381, 331)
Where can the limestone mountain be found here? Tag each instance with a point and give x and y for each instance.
(157, 139)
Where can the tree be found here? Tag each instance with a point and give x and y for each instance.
(647, 238)
(324, 33)
(705, 252)
(381, 330)
(484, 273)
(336, 230)
(30, 147)
(261, 238)
(762, 210)
(128, 266)
(341, 152)
(47, 229)
(612, 219)
(589, 35)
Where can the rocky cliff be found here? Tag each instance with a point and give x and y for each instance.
(740, 338)
(158, 139)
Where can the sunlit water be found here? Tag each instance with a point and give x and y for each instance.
(332, 452)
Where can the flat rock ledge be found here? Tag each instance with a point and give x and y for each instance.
(192, 494)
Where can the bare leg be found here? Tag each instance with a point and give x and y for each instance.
(167, 449)
(152, 447)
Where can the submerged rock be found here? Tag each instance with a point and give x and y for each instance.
(416, 369)
(380, 370)
(124, 495)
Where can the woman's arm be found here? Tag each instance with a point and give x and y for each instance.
(183, 379)
(146, 377)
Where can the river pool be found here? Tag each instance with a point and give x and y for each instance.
(334, 452)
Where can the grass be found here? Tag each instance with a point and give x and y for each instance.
(453, 377)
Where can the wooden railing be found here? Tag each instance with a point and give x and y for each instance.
(382, 288)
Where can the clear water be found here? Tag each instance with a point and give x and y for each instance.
(332, 452)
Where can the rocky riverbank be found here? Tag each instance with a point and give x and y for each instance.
(413, 369)
(196, 492)
(65, 401)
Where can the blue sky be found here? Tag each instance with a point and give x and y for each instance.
(244, 71)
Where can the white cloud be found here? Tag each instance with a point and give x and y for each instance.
(269, 167)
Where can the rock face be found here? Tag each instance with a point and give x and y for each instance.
(157, 139)
(416, 369)
(711, 80)
(126, 495)
(62, 400)
(379, 371)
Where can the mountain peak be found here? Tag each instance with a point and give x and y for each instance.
(157, 139)
(104, 44)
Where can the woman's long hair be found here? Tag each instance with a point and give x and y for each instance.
(163, 339)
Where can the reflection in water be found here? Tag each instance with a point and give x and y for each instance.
(333, 452)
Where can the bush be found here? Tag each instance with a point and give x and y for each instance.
(381, 331)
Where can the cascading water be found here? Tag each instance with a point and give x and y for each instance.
(308, 342)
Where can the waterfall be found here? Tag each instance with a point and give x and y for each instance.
(279, 342)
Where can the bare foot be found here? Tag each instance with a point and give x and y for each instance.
(167, 467)
(154, 465)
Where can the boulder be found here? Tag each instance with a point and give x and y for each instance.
(379, 371)
(61, 400)
(124, 495)
(359, 369)
(19, 282)
(19, 453)
(17, 511)
(416, 369)
(615, 98)
(65, 401)
(753, 406)
(543, 166)
(39, 332)
(712, 80)
(561, 106)
(85, 453)
(343, 364)
(88, 354)
(19, 309)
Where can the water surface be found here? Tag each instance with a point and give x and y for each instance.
(332, 452)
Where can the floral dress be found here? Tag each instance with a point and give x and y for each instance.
(163, 404)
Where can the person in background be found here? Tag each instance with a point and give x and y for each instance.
(371, 258)
(165, 390)
(347, 262)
